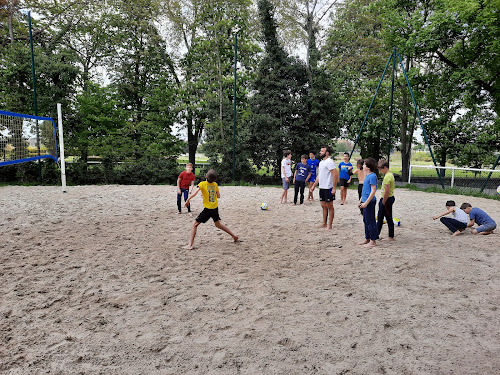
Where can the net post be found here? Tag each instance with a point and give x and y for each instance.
(61, 147)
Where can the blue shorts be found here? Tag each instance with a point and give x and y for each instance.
(312, 179)
(286, 185)
(486, 227)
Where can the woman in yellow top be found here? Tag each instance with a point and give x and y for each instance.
(387, 200)
(210, 192)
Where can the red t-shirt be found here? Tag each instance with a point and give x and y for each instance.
(186, 179)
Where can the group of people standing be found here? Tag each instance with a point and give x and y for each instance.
(323, 173)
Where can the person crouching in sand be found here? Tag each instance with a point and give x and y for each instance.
(210, 192)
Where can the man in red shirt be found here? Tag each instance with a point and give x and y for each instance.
(185, 184)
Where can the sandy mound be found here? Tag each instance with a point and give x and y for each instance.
(95, 281)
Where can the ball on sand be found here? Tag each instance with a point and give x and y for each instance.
(264, 206)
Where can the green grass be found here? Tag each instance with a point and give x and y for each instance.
(453, 191)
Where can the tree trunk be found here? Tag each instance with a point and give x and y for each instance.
(406, 136)
(192, 141)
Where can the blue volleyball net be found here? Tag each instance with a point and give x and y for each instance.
(26, 138)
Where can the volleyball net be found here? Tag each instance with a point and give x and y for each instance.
(26, 138)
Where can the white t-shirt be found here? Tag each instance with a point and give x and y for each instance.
(460, 215)
(324, 173)
(287, 163)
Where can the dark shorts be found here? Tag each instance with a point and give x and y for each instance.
(208, 213)
(343, 182)
(325, 195)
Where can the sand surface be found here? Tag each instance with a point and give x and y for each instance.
(95, 282)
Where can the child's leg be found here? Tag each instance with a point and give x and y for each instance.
(219, 225)
(179, 201)
(380, 216)
(371, 224)
(194, 227)
(302, 188)
(360, 190)
(186, 194)
(296, 187)
(450, 223)
(388, 215)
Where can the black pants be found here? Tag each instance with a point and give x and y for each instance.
(179, 196)
(453, 224)
(299, 185)
(385, 211)
(360, 190)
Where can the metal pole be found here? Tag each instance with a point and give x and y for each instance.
(420, 120)
(489, 175)
(390, 112)
(61, 147)
(34, 97)
(371, 104)
(234, 103)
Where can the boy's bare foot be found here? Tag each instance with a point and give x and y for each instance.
(488, 232)
(188, 247)
(236, 239)
(363, 242)
(322, 226)
(329, 227)
(179, 212)
(369, 244)
(388, 239)
(456, 233)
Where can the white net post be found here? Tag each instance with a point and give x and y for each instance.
(61, 147)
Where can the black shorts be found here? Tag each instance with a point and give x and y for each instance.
(325, 195)
(208, 213)
(343, 182)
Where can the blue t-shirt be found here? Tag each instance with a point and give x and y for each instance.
(302, 171)
(370, 180)
(344, 170)
(314, 165)
(480, 216)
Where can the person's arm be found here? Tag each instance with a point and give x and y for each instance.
(315, 183)
(294, 176)
(335, 176)
(192, 186)
(283, 171)
(308, 176)
(387, 191)
(443, 214)
(192, 196)
(179, 185)
(370, 197)
(471, 223)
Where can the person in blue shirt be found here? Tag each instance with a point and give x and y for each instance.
(368, 202)
(313, 163)
(302, 174)
(345, 172)
(479, 217)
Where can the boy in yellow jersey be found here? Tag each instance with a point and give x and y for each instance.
(210, 192)
(387, 200)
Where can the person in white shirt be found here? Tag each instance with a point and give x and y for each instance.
(327, 180)
(286, 174)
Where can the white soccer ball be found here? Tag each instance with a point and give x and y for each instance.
(264, 206)
(498, 189)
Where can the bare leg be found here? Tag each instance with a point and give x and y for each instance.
(219, 225)
(331, 212)
(194, 227)
(325, 214)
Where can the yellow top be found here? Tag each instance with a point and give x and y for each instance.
(388, 180)
(209, 192)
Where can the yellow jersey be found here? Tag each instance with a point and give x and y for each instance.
(388, 180)
(209, 192)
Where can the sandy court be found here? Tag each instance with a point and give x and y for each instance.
(95, 282)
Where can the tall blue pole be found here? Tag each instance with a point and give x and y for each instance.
(392, 102)
(234, 103)
(34, 97)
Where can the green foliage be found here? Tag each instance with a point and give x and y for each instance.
(422, 156)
